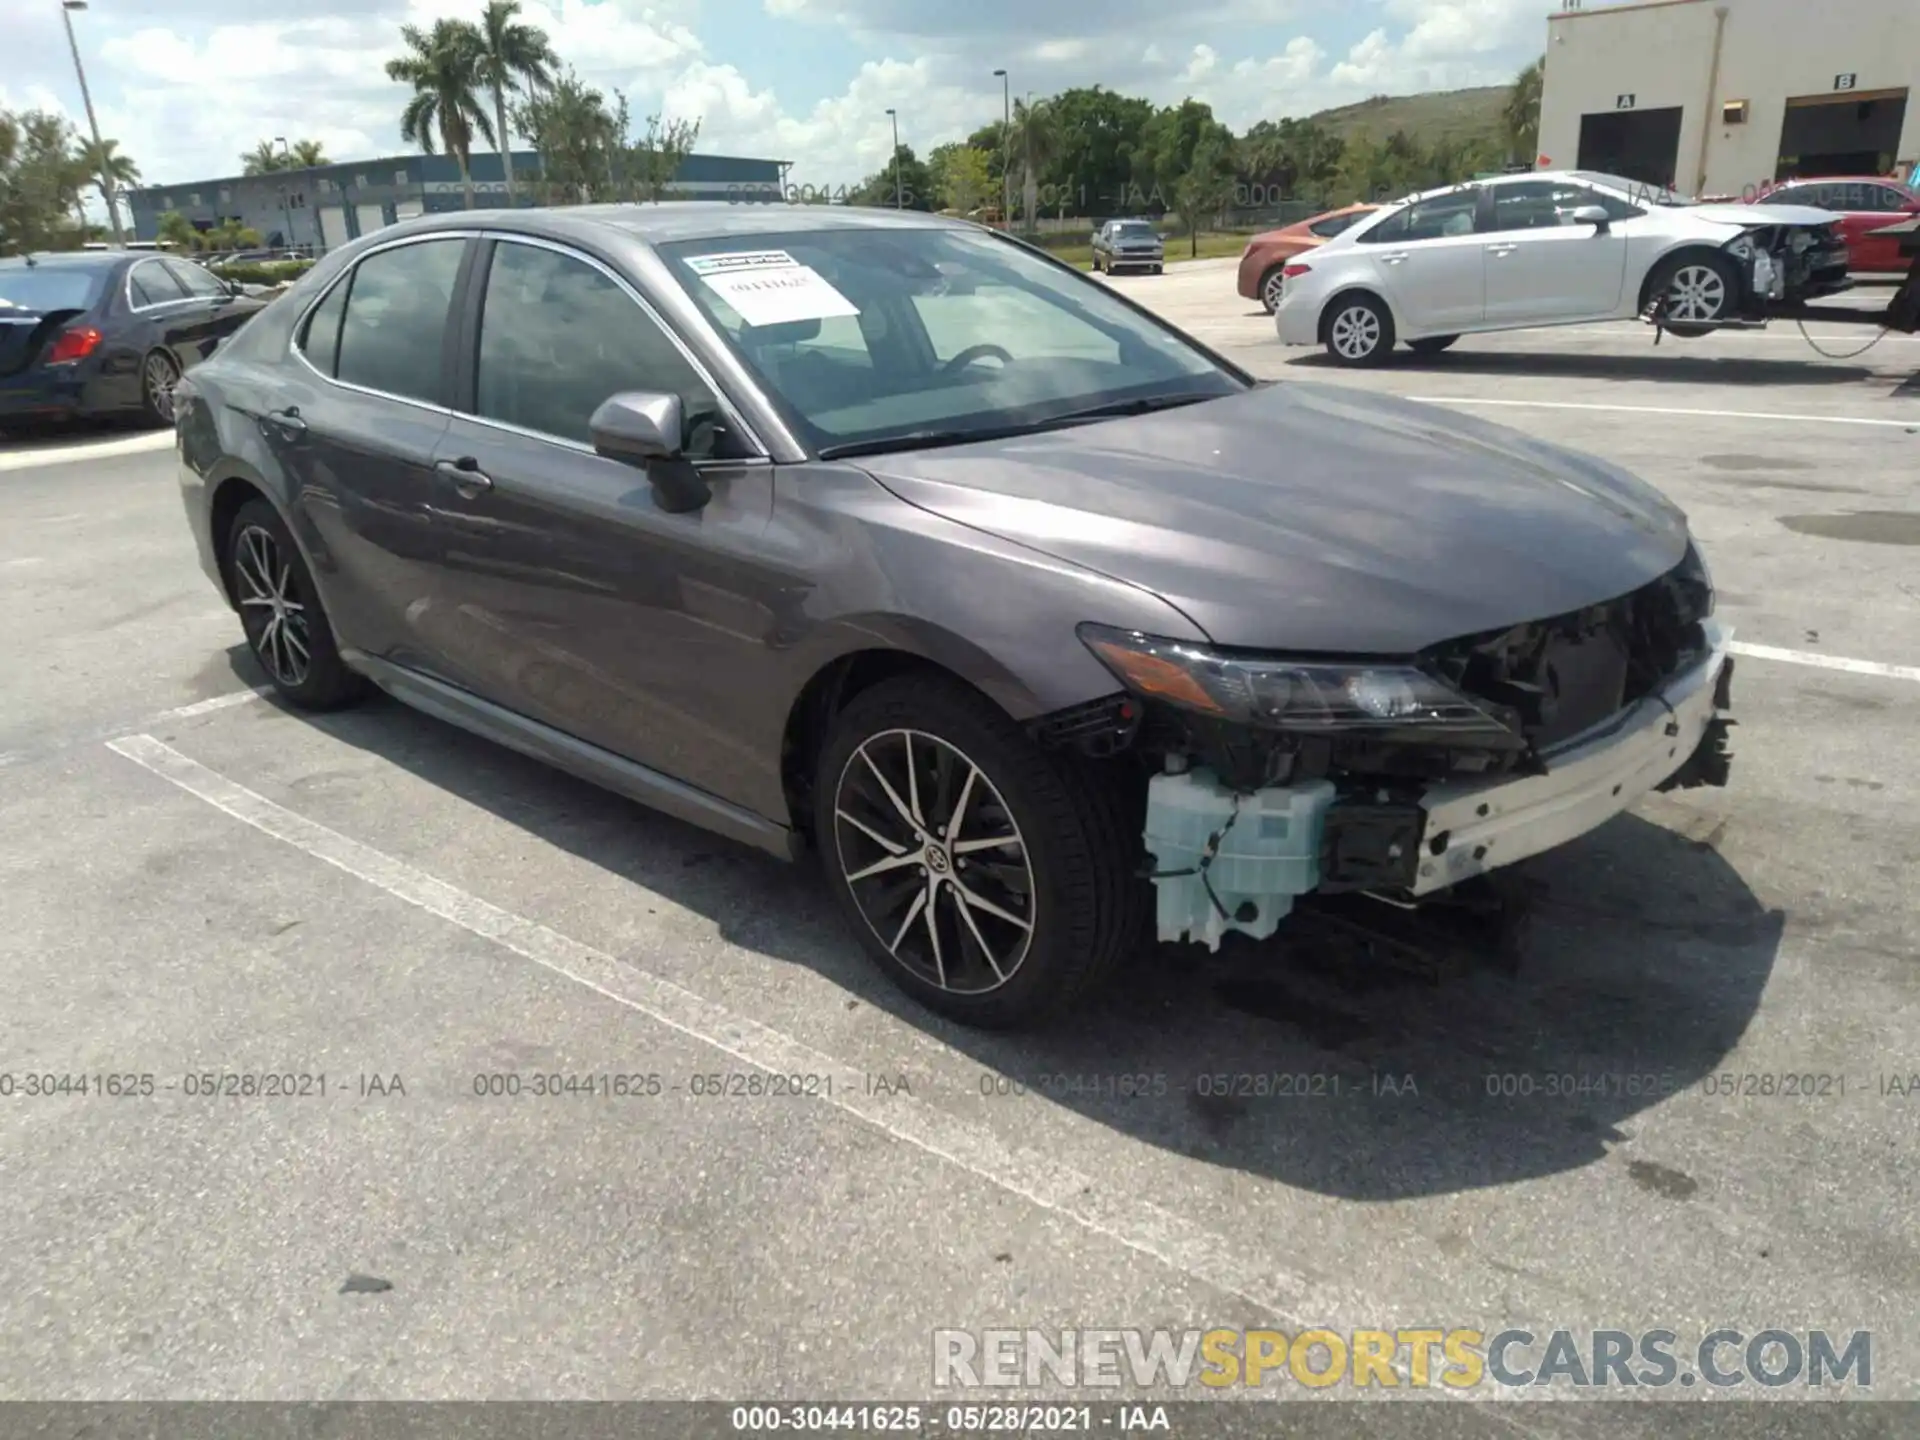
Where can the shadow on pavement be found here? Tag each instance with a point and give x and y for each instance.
(1301, 1059)
(1668, 364)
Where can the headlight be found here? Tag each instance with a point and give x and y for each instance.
(1307, 696)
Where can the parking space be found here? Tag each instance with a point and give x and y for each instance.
(200, 883)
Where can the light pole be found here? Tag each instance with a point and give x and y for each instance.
(1006, 149)
(67, 7)
(899, 203)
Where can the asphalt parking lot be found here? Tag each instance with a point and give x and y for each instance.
(197, 882)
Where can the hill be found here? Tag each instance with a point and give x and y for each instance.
(1440, 114)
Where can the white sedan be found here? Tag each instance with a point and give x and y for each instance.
(1556, 248)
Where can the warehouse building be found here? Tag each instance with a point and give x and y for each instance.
(329, 205)
(1721, 97)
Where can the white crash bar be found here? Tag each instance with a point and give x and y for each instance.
(1490, 823)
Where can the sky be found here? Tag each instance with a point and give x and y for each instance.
(185, 86)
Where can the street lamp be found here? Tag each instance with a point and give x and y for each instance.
(898, 202)
(1006, 149)
(67, 7)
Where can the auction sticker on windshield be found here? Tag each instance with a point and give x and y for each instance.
(770, 287)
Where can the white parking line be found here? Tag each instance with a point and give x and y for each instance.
(91, 450)
(1114, 1212)
(1913, 424)
(207, 707)
(1827, 662)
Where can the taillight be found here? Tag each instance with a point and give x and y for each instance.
(75, 344)
(1294, 272)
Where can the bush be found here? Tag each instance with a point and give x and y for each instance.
(274, 272)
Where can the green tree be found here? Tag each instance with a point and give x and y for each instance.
(962, 177)
(1521, 113)
(1205, 187)
(109, 172)
(1096, 132)
(991, 141)
(1289, 159)
(308, 155)
(651, 162)
(515, 59)
(443, 67)
(263, 159)
(905, 181)
(575, 134)
(1036, 139)
(40, 183)
(1168, 145)
(176, 230)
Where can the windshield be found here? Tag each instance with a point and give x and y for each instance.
(1638, 191)
(868, 335)
(1135, 232)
(46, 288)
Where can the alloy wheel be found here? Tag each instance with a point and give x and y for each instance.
(1698, 292)
(1355, 332)
(935, 861)
(159, 375)
(1276, 283)
(283, 639)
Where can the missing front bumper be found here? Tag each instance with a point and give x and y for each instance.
(1227, 862)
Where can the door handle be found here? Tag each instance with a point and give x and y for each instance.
(1502, 249)
(288, 421)
(466, 475)
(1395, 258)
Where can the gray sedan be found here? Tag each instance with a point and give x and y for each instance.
(884, 540)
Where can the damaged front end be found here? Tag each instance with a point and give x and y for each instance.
(1273, 777)
(1789, 264)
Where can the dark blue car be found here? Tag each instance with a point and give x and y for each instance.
(93, 334)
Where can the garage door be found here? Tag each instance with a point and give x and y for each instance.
(369, 218)
(1642, 145)
(333, 226)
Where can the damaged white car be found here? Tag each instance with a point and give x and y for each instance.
(1554, 248)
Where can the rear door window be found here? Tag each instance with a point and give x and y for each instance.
(151, 283)
(396, 319)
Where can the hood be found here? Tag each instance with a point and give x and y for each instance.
(1314, 518)
(1762, 214)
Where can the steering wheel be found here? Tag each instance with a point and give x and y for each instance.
(972, 353)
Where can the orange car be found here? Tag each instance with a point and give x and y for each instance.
(1266, 254)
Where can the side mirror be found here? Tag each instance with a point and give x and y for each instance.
(1594, 215)
(646, 430)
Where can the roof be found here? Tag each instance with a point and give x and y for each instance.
(674, 220)
(74, 259)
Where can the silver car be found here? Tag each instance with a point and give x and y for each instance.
(1128, 245)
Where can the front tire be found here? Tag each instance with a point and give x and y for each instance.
(281, 613)
(1359, 331)
(993, 882)
(1700, 291)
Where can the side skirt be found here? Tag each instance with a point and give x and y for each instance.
(575, 756)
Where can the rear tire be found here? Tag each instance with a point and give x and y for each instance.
(1271, 284)
(1432, 344)
(1027, 903)
(1359, 330)
(159, 373)
(280, 611)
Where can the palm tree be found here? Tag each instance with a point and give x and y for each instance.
(309, 153)
(1036, 138)
(263, 159)
(443, 66)
(108, 172)
(513, 58)
(1521, 113)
